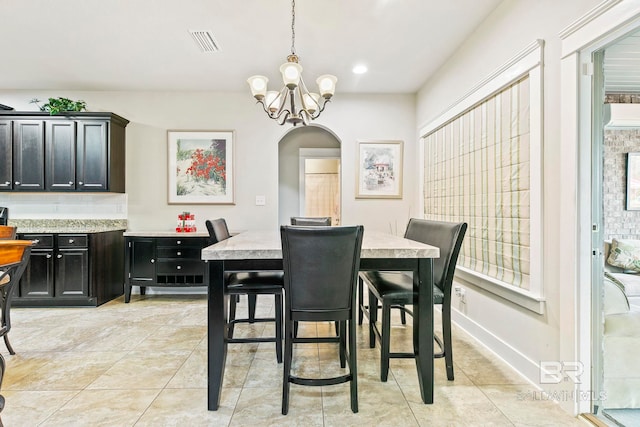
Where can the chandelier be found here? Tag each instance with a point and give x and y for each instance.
(294, 103)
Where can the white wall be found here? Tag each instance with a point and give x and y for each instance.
(521, 337)
(350, 117)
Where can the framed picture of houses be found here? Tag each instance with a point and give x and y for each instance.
(201, 167)
(379, 171)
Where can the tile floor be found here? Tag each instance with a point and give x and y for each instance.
(144, 364)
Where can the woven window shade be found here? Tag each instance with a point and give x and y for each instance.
(477, 169)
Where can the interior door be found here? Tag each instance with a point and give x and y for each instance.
(320, 183)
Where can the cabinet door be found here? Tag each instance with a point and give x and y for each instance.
(72, 273)
(37, 279)
(60, 164)
(142, 260)
(6, 156)
(93, 158)
(28, 155)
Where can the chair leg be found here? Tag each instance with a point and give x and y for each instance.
(278, 316)
(288, 352)
(360, 300)
(8, 344)
(386, 341)
(353, 366)
(343, 343)
(446, 338)
(232, 313)
(403, 316)
(252, 307)
(373, 318)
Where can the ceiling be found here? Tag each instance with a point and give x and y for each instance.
(622, 65)
(146, 45)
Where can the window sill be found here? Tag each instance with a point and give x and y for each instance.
(535, 303)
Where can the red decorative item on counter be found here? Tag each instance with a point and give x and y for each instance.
(186, 223)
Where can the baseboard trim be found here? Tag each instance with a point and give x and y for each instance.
(527, 368)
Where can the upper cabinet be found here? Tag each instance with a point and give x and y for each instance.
(66, 152)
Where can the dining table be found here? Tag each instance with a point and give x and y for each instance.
(262, 251)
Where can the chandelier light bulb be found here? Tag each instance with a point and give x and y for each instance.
(258, 85)
(272, 101)
(311, 102)
(327, 85)
(291, 72)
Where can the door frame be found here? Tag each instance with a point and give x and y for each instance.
(598, 28)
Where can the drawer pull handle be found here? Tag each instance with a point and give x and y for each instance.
(70, 241)
(179, 253)
(80, 182)
(17, 182)
(59, 256)
(48, 256)
(7, 183)
(179, 242)
(179, 267)
(152, 261)
(70, 182)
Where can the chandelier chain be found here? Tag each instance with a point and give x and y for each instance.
(293, 27)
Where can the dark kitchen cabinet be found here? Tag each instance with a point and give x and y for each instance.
(164, 262)
(72, 269)
(6, 155)
(28, 155)
(68, 152)
(60, 148)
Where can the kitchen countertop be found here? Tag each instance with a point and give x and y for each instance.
(68, 225)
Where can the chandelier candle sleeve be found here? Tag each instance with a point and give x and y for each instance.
(293, 103)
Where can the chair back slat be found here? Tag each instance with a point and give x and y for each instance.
(448, 237)
(13, 251)
(217, 229)
(320, 268)
(8, 232)
(310, 221)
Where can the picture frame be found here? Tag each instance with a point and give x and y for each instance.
(379, 171)
(201, 167)
(633, 182)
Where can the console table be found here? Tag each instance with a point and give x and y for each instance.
(164, 259)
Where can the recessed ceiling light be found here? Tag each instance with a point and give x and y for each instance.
(360, 69)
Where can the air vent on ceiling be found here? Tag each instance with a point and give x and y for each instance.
(205, 40)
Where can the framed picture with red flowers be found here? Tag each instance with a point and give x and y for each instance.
(201, 167)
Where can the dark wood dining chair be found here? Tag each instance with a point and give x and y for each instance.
(14, 256)
(395, 290)
(311, 220)
(251, 284)
(320, 275)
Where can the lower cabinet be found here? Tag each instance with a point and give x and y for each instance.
(72, 270)
(163, 261)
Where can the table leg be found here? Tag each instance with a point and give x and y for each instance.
(216, 321)
(423, 327)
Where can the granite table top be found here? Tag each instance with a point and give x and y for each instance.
(266, 245)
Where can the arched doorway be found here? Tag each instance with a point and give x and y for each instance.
(308, 167)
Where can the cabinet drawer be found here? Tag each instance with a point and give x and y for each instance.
(189, 252)
(43, 241)
(72, 241)
(182, 267)
(180, 241)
